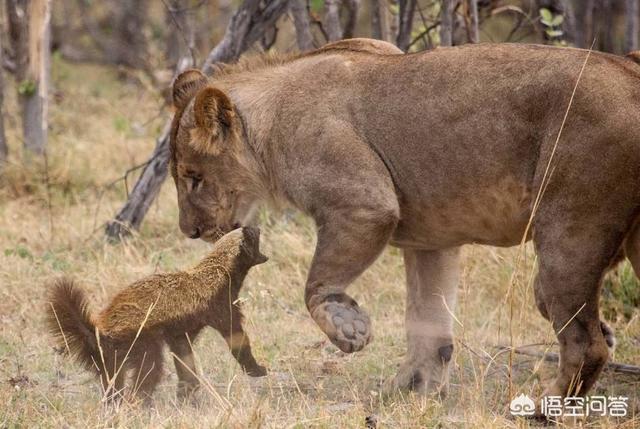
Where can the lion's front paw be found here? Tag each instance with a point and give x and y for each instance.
(344, 322)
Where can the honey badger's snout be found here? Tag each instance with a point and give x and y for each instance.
(251, 237)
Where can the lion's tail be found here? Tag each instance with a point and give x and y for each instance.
(69, 320)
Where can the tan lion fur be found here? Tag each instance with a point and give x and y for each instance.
(428, 152)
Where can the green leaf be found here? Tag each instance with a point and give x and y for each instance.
(553, 33)
(546, 16)
(557, 20)
(317, 5)
(27, 88)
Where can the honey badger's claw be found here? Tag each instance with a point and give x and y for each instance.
(344, 322)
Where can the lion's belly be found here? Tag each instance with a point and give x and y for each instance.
(496, 215)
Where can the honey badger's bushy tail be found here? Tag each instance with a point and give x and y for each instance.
(69, 320)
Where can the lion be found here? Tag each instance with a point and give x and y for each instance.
(426, 152)
(172, 308)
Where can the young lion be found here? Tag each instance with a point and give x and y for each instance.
(167, 308)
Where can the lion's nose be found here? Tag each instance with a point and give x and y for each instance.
(195, 233)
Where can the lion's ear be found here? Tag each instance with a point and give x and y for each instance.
(186, 85)
(213, 112)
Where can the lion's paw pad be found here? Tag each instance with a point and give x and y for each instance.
(346, 325)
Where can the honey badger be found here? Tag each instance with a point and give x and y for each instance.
(169, 308)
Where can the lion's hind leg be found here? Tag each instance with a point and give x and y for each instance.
(568, 290)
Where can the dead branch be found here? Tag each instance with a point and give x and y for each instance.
(247, 26)
(632, 18)
(407, 9)
(179, 19)
(332, 20)
(424, 33)
(300, 13)
(353, 7)
(475, 23)
(554, 357)
(446, 28)
(380, 20)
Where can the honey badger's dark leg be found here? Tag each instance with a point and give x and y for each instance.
(238, 342)
(185, 364)
(112, 375)
(146, 364)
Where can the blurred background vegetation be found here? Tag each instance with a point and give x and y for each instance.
(157, 37)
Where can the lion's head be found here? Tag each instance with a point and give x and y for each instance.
(209, 160)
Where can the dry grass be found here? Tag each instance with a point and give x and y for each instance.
(101, 127)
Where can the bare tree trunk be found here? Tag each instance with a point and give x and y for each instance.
(301, 22)
(380, 20)
(332, 20)
(353, 6)
(30, 34)
(632, 26)
(36, 107)
(446, 23)
(607, 16)
(394, 22)
(569, 26)
(16, 30)
(475, 24)
(583, 32)
(4, 149)
(246, 26)
(407, 8)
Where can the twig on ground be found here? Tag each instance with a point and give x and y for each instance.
(554, 357)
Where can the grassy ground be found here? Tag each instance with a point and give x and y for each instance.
(101, 126)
